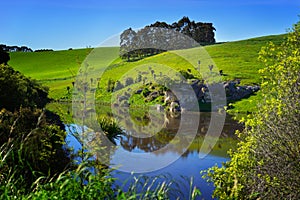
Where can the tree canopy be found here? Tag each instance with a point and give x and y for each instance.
(16, 90)
(203, 33)
(4, 57)
(14, 48)
(160, 36)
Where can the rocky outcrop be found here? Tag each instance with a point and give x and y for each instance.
(235, 93)
(200, 89)
(233, 90)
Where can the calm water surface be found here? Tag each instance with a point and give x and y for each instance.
(187, 162)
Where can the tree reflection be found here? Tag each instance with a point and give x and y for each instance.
(166, 136)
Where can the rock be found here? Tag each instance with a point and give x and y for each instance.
(124, 104)
(169, 96)
(146, 93)
(152, 96)
(174, 107)
(256, 88)
(235, 93)
(159, 107)
(139, 91)
(199, 89)
(122, 98)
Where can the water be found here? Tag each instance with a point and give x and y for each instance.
(174, 162)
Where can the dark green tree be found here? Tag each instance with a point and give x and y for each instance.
(160, 36)
(16, 90)
(127, 43)
(4, 57)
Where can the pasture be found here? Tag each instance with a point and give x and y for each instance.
(58, 69)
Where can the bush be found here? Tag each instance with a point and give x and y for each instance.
(16, 90)
(267, 162)
(31, 139)
(110, 85)
(186, 74)
(33, 146)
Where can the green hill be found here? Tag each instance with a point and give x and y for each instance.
(57, 69)
(239, 60)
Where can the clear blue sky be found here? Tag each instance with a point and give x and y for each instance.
(61, 24)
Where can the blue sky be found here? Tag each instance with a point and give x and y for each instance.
(62, 24)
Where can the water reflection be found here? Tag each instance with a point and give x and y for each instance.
(164, 127)
(187, 163)
(130, 142)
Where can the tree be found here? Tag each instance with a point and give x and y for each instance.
(267, 162)
(16, 90)
(14, 48)
(127, 43)
(4, 57)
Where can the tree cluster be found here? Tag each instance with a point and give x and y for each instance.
(14, 48)
(160, 37)
(203, 33)
(41, 50)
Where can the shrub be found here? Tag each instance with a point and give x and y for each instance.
(16, 90)
(186, 74)
(34, 146)
(267, 162)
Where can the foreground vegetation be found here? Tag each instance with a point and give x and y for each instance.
(31, 139)
(267, 162)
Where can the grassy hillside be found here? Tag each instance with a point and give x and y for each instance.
(56, 69)
(239, 60)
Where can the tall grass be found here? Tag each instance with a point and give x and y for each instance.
(82, 183)
(157, 187)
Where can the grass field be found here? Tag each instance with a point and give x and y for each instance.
(239, 60)
(57, 69)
